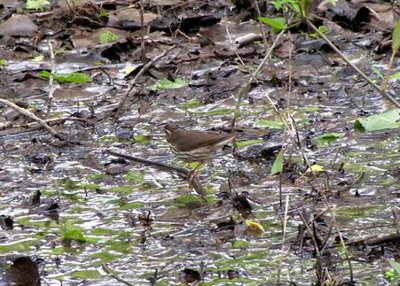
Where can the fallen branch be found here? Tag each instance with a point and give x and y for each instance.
(33, 117)
(182, 172)
(111, 273)
(374, 240)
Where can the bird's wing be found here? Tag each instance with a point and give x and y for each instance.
(198, 139)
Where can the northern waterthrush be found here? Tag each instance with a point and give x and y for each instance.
(194, 145)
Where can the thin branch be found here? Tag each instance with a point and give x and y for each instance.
(246, 86)
(51, 78)
(361, 73)
(255, 4)
(183, 172)
(33, 117)
(285, 218)
(111, 273)
(335, 223)
(142, 43)
(132, 83)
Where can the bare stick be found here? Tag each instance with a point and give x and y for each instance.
(255, 4)
(183, 172)
(345, 252)
(246, 86)
(33, 117)
(51, 78)
(361, 73)
(313, 236)
(142, 44)
(111, 273)
(285, 218)
(132, 83)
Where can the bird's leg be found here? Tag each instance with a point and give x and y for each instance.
(192, 174)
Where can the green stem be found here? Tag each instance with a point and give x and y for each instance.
(389, 69)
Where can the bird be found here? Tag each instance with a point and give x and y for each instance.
(195, 145)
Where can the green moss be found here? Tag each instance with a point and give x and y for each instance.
(131, 206)
(185, 201)
(135, 176)
(221, 111)
(122, 189)
(19, 246)
(245, 143)
(105, 257)
(141, 139)
(86, 274)
(192, 104)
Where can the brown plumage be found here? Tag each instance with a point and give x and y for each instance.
(194, 145)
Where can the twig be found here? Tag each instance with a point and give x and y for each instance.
(348, 187)
(255, 4)
(55, 121)
(374, 240)
(132, 83)
(246, 86)
(51, 78)
(33, 117)
(283, 238)
(142, 43)
(111, 273)
(313, 236)
(333, 219)
(235, 49)
(183, 172)
(361, 73)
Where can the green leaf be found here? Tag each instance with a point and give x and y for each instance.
(86, 274)
(305, 7)
(254, 227)
(387, 120)
(378, 72)
(36, 4)
(108, 37)
(3, 62)
(329, 137)
(141, 139)
(394, 76)
(278, 4)
(245, 143)
(396, 38)
(167, 84)
(135, 176)
(390, 275)
(38, 58)
(322, 29)
(315, 169)
(269, 123)
(74, 77)
(277, 167)
(277, 24)
(103, 14)
(395, 265)
(72, 232)
(184, 201)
